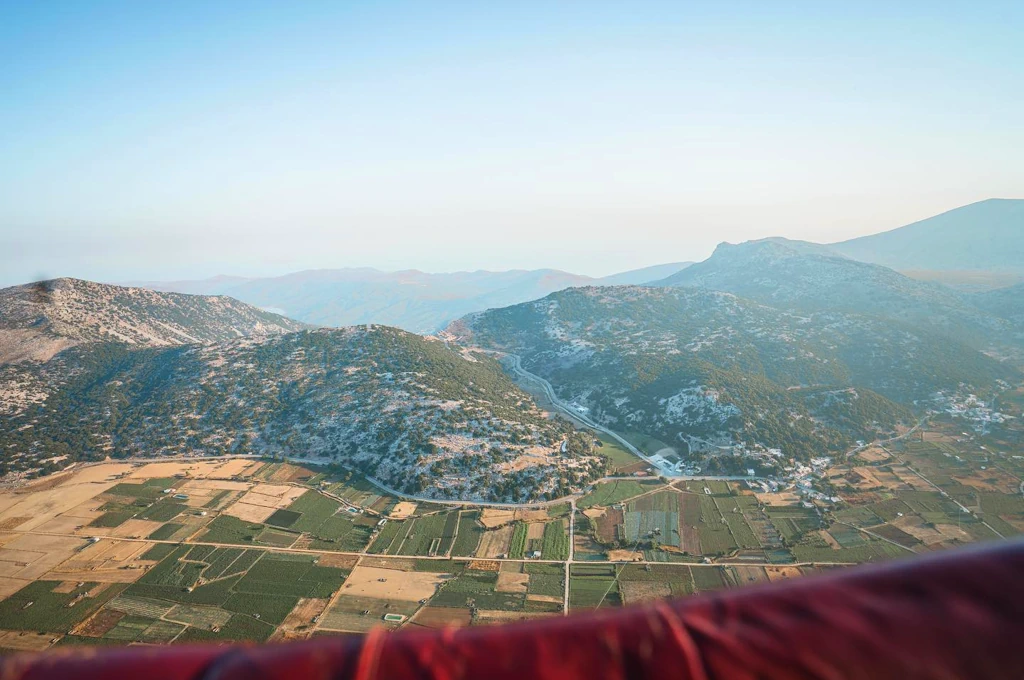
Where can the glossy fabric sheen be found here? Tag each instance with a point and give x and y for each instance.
(952, 615)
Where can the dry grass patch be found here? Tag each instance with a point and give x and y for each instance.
(625, 556)
(510, 582)
(402, 510)
(782, 573)
(441, 617)
(492, 518)
(410, 586)
(29, 557)
(485, 565)
(641, 591)
(25, 641)
(105, 562)
(10, 585)
(299, 622)
(496, 541)
(486, 617)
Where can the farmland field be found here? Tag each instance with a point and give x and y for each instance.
(201, 568)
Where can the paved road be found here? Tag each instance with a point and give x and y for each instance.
(517, 368)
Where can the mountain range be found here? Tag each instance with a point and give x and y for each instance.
(700, 370)
(40, 319)
(805, 277)
(413, 300)
(135, 373)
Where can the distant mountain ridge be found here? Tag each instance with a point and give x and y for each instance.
(983, 236)
(806, 277)
(413, 300)
(37, 320)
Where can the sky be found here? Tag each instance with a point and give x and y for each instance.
(149, 141)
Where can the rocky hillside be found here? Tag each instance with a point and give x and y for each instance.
(805, 277)
(38, 320)
(405, 409)
(701, 369)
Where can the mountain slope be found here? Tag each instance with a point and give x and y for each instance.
(639, 277)
(416, 301)
(988, 235)
(405, 409)
(699, 370)
(40, 319)
(809, 278)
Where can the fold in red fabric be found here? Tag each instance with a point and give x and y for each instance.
(958, 614)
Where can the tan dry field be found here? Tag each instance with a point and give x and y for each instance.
(495, 542)
(400, 585)
(337, 561)
(510, 582)
(782, 573)
(625, 556)
(68, 524)
(213, 485)
(10, 585)
(25, 641)
(301, 616)
(29, 557)
(108, 561)
(441, 617)
(134, 528)
(534, 531)
(492, 518)
(488, 617)
(262, 500)
(41, 507)
(875, 454)
(485, 565)
(402, 510)
(595, 512)
(990, 480)
(778, 498)
(544, 598)
(199, 468)
(643, 591)
(930, 536)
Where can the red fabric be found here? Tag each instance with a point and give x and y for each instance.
(951, 615)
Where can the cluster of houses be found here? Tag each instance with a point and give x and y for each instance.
(969, 407)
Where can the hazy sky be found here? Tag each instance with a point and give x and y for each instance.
(149, 140)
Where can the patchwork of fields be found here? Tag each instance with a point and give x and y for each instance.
(239, 549)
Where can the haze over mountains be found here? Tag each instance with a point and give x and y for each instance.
(412, 300)
(984, 236)
(766, 344)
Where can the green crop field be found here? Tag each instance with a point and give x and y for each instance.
(618, 456)
(37, 607)
(283, 518)
(556, 541)
(426, 535)
(165, 532)
(517, 546)
(609, 493)
(470, 531)
(476, 588)
(228, 529)
(162, 511)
